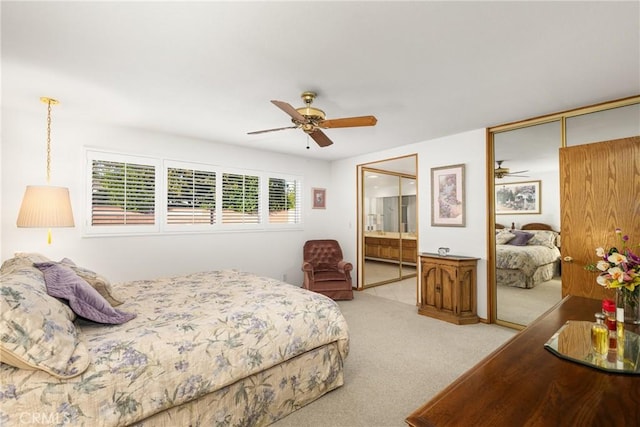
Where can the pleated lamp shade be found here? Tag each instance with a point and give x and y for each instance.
(45, 206)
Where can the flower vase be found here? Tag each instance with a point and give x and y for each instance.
(630, 300)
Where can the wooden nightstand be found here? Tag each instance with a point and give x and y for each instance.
(448, 288)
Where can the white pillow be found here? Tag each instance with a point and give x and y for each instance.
(543, 238)
(504, 236)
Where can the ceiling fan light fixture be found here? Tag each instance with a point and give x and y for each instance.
(312, 120)
(501, 172)
(311, 113)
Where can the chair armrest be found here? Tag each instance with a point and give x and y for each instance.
(306, 266)
(345, 266)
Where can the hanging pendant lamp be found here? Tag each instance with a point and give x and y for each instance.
(46, 206)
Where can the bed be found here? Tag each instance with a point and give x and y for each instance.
(526, 257)
(215, 348)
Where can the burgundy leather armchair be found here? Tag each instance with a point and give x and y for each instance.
(325, 271)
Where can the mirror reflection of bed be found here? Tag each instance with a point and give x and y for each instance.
(528, 273)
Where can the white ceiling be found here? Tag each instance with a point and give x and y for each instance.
(209, 69)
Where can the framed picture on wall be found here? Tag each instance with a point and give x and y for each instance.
(518, 198)
(319, 198)
(447, 196)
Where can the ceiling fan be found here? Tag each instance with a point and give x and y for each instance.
(501, 172)
(312, 120)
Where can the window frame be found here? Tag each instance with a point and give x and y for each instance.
(161, 226)
(97, 230)
(165, 226)
(298, 207)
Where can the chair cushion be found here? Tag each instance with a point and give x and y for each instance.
(328, 275)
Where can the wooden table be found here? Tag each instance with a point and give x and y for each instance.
(523, 384)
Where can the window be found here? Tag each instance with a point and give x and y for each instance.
(240, 199)
(122, 193)
(191, 196)
(129, 195)
(284, 207)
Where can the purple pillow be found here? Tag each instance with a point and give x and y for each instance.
(521, 239)
(84, 300)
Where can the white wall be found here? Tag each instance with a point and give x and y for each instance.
(268, 253)
(468, 148)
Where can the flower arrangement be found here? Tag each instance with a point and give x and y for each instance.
(619, 269)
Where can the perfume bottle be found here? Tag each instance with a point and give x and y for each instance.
(599, 336)
(609, 311)
(620, 332)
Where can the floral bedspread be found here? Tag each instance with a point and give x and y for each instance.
(525, 258)
(193, 335)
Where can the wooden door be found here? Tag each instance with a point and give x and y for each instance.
(599, 192)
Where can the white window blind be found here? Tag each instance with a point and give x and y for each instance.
(284, 206)
(191, 196)
(240, 199)
(122, 193)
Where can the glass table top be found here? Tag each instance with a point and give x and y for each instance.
(573, 342)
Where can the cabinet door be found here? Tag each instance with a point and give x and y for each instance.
(466, 299)
(448, 288)
(429, 282)
(385, 249)
(371, 247)
(409, 252)
(394, 249)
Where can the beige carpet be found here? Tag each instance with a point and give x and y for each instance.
(522, 306)
(398, 360)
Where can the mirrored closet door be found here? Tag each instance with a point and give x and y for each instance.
(523, 169)
(389, 218)
(526, 186)
(388, 222)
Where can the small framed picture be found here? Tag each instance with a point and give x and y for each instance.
(518, 198)
(319, 196)
(447, 196)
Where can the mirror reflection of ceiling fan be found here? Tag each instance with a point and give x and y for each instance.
(312, 120)
(501, 172)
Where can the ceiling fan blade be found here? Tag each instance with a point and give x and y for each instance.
(270, 130)
(287, 108)
(511, 173)
(320, 138)
(518, 176)
(348, 122)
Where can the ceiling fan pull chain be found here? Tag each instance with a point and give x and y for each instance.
(307, 141)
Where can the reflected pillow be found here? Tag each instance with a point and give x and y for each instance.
(504, 236)
(84, 300)
(543, 238)
(521, 239)
(36, 329)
